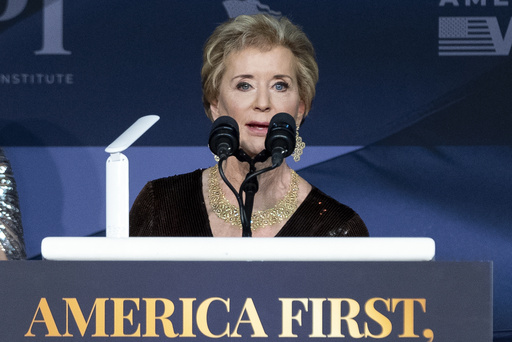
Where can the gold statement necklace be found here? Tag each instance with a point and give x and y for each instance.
(230, 213)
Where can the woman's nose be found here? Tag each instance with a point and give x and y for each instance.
(262, 101)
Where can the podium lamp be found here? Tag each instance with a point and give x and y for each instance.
(117, 168)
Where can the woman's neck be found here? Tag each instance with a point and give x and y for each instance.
(272, 185)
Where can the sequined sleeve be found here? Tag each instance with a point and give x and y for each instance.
(11, 229)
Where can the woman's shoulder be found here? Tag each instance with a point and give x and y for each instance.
(178, 179)
(173, 186)
(329, 217)
(318, 196)
(163, 206)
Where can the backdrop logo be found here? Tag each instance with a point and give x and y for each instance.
(238, 7)
(52, 24)
(473, 36)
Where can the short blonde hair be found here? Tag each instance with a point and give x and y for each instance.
(263, 32)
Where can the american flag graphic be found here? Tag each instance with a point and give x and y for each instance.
(469, 36)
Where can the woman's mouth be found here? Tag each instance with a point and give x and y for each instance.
(259, 128)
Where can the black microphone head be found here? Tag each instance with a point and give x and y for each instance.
(281, 134)
(224, 137)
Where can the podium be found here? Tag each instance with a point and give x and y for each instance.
(246, 301)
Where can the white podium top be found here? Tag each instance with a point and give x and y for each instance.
(237, 249)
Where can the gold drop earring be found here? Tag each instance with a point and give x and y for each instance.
(299, 146)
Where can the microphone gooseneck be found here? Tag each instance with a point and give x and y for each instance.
(280, 140)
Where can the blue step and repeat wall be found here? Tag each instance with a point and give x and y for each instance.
(411, 126)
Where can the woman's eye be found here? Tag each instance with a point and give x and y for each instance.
(243, 86)
(281, 86)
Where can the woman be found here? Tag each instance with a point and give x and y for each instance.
(253, 68)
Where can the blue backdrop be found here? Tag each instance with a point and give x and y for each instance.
(411, 126)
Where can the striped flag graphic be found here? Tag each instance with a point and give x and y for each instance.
(471, 36)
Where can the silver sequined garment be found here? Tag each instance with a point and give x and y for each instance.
(11, 230)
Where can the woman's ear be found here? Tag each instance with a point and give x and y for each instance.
(301, 113)
(214, 109)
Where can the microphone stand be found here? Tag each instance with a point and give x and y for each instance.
(281, 130)
(250, 186)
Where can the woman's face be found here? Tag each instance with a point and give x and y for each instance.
(255, 86)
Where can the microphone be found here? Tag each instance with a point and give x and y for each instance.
(224, 137)
(280, 140)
